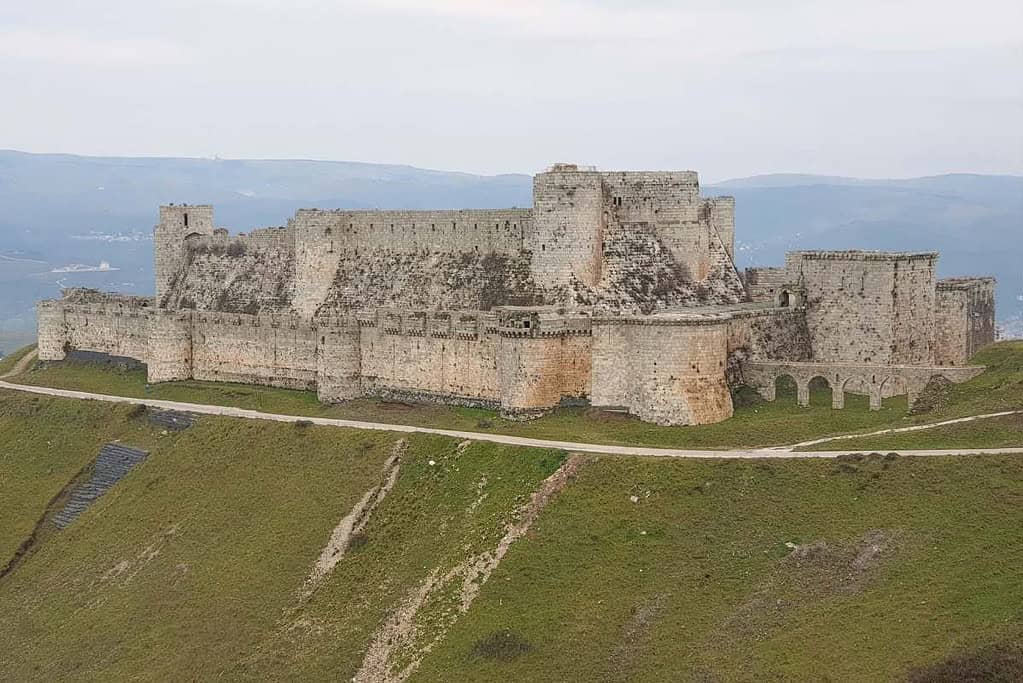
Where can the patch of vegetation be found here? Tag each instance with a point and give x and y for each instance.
(191, 566)
(501, 645)
(1002, 663)
(934, 396)
(745, 397)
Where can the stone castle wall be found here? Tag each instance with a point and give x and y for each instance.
(664, 370)
(964, 319)
(176, 224)
(617, 289)
(278, 351)
(867, 307)
(323, 239)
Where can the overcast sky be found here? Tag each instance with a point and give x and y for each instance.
(881, 88)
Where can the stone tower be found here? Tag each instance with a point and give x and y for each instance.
(177, 221)
(568, 225)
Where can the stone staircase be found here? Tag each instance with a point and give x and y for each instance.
(113, 462)
(172, 420)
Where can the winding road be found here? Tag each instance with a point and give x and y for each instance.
(600, 449)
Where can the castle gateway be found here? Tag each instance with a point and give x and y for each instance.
(617, 289)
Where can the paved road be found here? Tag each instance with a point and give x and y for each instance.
(602, 449)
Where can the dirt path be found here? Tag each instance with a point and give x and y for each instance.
(21, 365)
(602, 449)
(896, 430)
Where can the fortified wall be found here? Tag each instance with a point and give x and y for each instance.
(616, 290)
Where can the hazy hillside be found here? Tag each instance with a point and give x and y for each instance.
(60, 210)
(976, 222)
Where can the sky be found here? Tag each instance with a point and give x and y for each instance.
(871, 88)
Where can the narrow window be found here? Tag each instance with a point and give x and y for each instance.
(186, 220)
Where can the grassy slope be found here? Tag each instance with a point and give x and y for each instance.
(37, 459)
(191, 565)
(607, 589)
(8, 362)
(189, 568)
(766, 424)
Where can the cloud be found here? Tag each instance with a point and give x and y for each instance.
(63, 47)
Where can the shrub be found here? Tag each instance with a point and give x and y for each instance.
(235, 249)
(501, 645)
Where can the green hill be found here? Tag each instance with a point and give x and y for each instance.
(479, 562)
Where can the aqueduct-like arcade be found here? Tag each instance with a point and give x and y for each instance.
(876, 381)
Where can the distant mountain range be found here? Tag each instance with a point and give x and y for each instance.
(59, 210)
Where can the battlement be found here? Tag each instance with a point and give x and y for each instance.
(966, 283)
(89, 295)
(863, 255)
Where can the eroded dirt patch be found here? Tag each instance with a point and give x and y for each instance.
(1000, 663)
(812, 572)
(634, 635)
(349, 531)
(401, 642)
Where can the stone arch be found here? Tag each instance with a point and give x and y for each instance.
(817, 383)
(785, 299)
(854, 388)
(893, 385)
(785, 384)
(897, 385)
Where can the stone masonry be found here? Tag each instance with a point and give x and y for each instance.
(616, 290)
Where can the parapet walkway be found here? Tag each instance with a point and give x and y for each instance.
(600, 449)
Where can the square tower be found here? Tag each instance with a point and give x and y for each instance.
(867, 306)
(177, 221)
(568, 226)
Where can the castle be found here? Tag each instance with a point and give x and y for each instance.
(617, 290)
